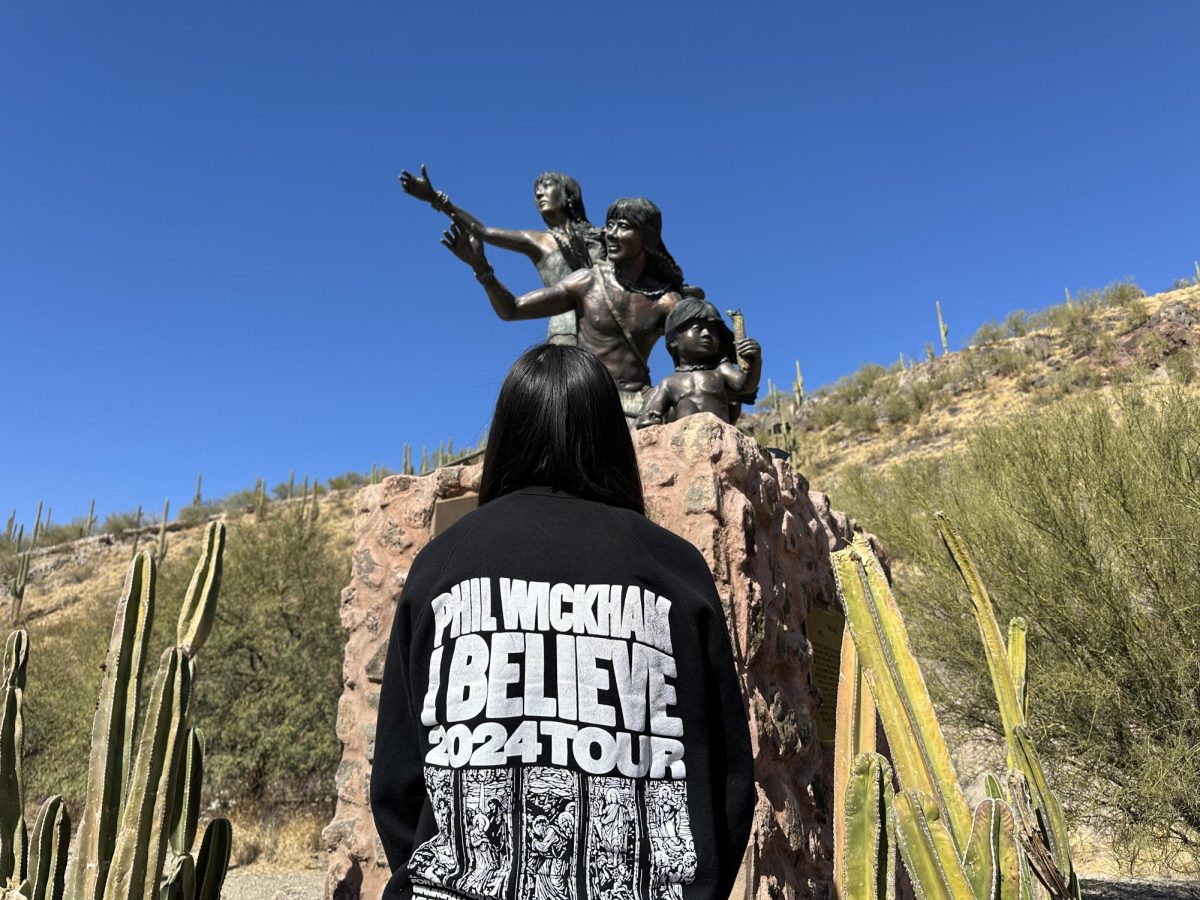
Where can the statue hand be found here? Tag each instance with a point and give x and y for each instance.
(465, 245)
(748, 348)
(418, 187)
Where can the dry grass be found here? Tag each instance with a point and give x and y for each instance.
(287, 839)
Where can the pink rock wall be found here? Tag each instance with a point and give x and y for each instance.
(767, 540)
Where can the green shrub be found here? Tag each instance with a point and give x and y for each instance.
(1017, 323)
(270, 672)
(989, 333)
(117, 522)
(898, 408)
(1083, 517)
(860, 417)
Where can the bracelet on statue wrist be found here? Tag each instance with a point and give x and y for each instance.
(487, 276)
(440, 201)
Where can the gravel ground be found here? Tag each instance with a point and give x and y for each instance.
(248, 884)
(1128, 889)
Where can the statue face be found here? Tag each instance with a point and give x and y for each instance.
(623, 241)
(697, 341)
(549, 196)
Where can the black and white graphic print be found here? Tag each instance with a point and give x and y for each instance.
(436, 860)
(612, 839)
(534, 673)
(487, 827)
(550, 817)
(672, 850)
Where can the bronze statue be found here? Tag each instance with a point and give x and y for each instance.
(707, 376)
(621, 304)
(569, 242)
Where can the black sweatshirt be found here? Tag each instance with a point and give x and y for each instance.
(559, 717)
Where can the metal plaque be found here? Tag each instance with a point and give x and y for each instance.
(824, 629)
(447, 512)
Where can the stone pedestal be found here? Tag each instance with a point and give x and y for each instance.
(767, 540)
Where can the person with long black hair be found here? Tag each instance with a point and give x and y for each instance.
(560, 718)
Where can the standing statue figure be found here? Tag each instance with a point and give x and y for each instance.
(569, 242)
(621, 304)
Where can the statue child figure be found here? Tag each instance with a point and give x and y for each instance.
(707, 376)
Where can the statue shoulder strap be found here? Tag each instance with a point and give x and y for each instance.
(612, 311)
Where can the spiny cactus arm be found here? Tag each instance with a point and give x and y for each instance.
(915, 738)
(928, 849)
(181, 879)
(992, 860)
(48, 851)
(866, 868)
(12, 738)
(854, 734)
(213, 860)
(989, 630)
(137, 863)
(113, 731)
(200, 602)
(16, 658)
(185, 810)
(1017, 631)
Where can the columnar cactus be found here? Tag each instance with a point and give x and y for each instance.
(140, 814)
(866, 867)
(987, 856)
(48, 852)
(1007, 668)
(12, 789)
(918, 747)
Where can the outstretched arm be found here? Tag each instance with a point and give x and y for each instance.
(525, 242)
(558, 298)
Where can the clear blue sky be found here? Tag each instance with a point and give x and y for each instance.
(206, 262)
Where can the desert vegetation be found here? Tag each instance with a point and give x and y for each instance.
(1083, 514)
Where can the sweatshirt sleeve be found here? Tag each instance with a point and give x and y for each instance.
(397, 775)
(734, 794)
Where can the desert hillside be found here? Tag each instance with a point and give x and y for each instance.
(289, 557)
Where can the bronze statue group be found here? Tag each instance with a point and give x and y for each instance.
(612, 291)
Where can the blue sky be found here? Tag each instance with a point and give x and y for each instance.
(206, 262)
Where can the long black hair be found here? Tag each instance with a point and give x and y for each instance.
(559, 423)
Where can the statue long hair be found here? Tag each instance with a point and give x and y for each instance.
(578, 239)
(662, 272)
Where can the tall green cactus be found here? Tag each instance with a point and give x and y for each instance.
(48, 852)
(993, 858)
(200, 601)
(13, 835)
(137, 862)
(1006, 664)
(113, 732)
(185, 811)
(854, 736)
(915, 738)
(1011, 832)
(213, 860)
(866, 869)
